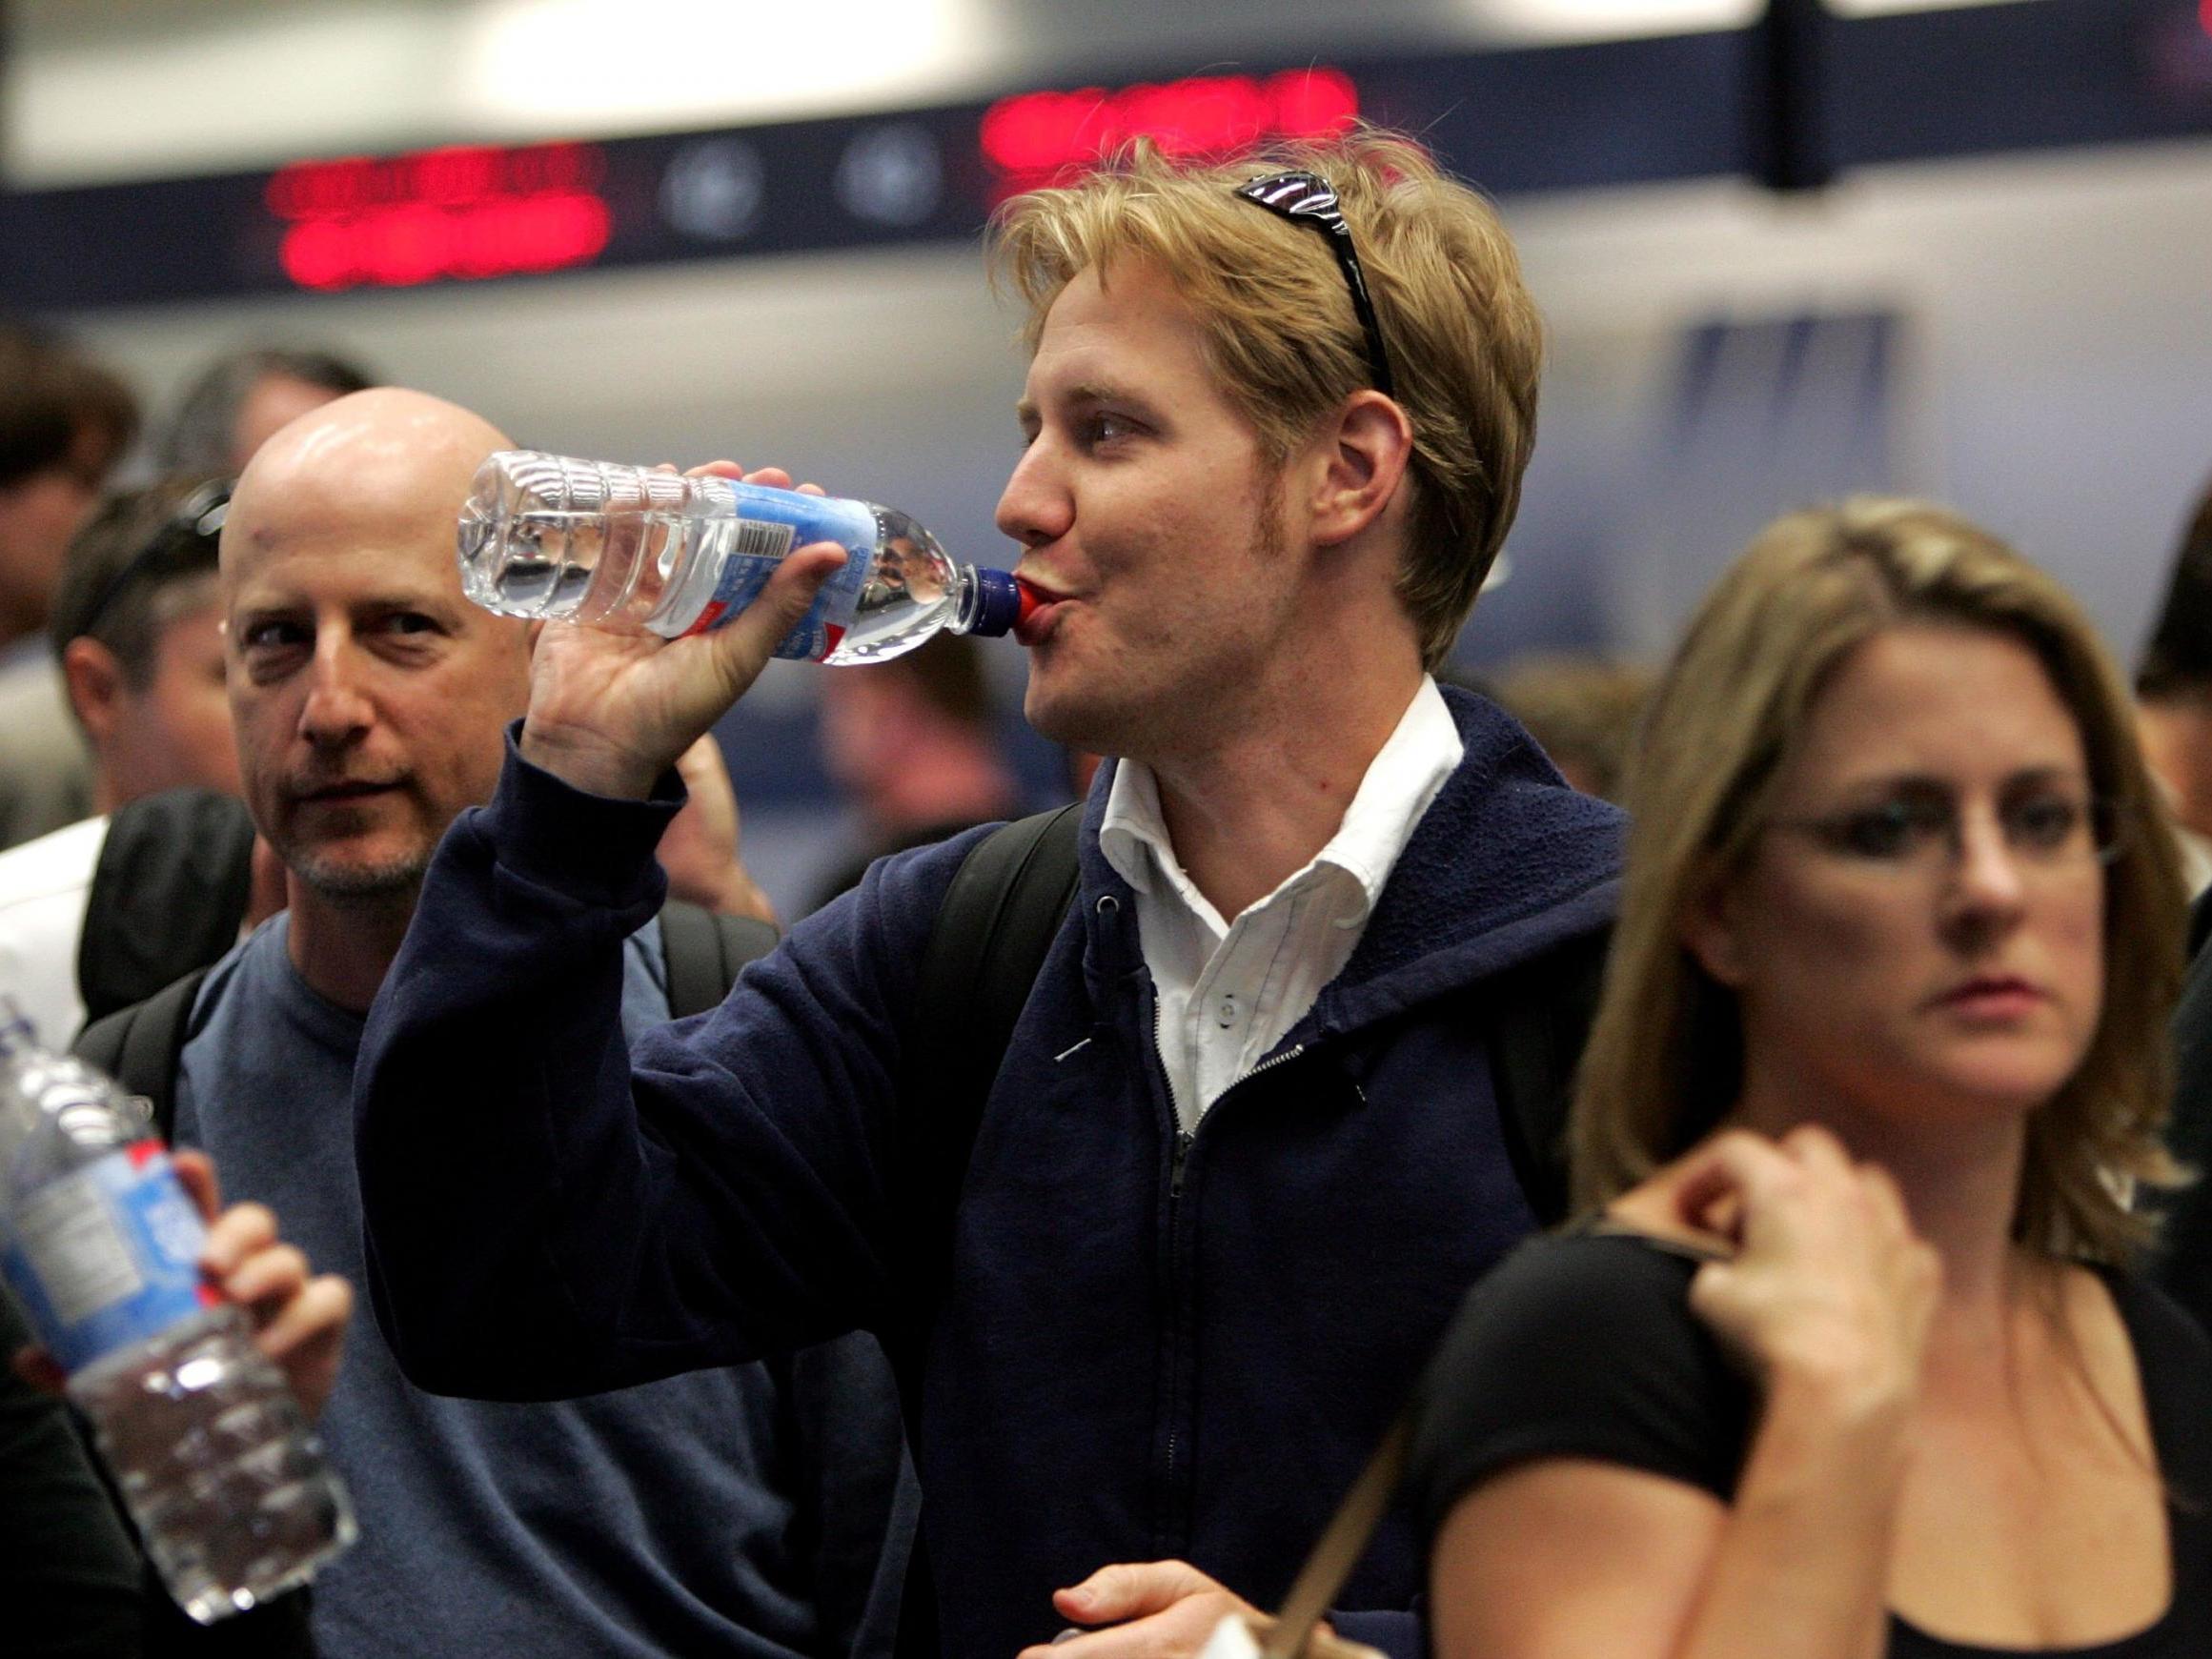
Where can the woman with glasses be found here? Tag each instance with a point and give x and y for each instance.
(1845, 1359)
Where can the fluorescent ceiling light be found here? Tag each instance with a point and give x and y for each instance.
(1547, 21)
(607, 65)
(1876, 8)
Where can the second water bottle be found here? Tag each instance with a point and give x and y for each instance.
(100, 1243)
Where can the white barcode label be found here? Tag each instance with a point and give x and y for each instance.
(761, 538)
(76, 1247)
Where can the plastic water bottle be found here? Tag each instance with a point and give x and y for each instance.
(101, 1246)
(553, 538)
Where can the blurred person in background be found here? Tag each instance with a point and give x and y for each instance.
(1583, 710)
(238, 401)
(914, 744)
(2173, 691)
(1847, 1359)
(64, 423)
(137, 629)
(740, 1510)
(1251, 1138)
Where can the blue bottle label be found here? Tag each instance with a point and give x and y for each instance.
(108, 1254)
(769, 524)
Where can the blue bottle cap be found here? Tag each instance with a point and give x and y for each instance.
(998, 602)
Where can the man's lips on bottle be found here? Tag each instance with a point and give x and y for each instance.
(1040, 608)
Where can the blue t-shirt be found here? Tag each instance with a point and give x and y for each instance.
(685, 1517)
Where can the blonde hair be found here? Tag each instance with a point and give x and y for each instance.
(1462, 334)
(1664, 1058)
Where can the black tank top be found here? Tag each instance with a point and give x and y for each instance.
(1583, 1344)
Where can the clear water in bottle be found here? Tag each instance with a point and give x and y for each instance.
(101, 1244)
(562, 539)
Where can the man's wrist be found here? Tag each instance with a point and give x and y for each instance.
(592, 766)
(596, 848)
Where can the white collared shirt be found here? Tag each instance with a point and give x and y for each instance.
(1229, 991)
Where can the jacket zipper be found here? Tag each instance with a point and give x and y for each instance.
(1179, 1156)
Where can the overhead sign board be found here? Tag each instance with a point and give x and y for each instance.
(1551, 118)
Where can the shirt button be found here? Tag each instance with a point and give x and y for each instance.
(1227, 1012)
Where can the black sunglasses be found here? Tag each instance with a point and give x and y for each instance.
(195, 525)
(1306, 198)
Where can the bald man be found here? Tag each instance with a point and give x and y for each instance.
(732, 1512)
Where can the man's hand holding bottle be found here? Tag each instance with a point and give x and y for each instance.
(610, 711)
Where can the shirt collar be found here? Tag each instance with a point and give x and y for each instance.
(1420, 755)
(1405, 776)
(1132, 827)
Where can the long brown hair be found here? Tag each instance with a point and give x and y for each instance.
(1665, 1054)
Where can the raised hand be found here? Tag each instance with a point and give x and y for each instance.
(1829, 1287)
(611, 710)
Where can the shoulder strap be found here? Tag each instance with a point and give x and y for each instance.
(705, 952)
(168, 893)
(993, 930)
(1341, 1544)
(997, 922)
(139, 1047)
(1539, 1020)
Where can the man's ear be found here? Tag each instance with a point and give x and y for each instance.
(96, 686)
(1363, 456)
(1710, 932)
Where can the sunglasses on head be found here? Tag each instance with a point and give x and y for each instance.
(199, 520)
(1306, 198)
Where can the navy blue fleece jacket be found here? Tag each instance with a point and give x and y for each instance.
(1134, 1357)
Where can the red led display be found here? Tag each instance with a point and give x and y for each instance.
(460, 214)
(1035, 135)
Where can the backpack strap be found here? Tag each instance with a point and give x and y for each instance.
(140, 1046)
(705, 951)
(168, 893)
(1539, 1020)
(992, 932)
(998, 920)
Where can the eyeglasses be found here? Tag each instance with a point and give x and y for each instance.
(2044, 829)
(1306, 198)
(195, 524)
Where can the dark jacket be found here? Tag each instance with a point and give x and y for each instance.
(1141, 1351)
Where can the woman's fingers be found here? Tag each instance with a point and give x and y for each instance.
(306, 1338)
(1829, 1284)
(267, 1279)
(234, 1235)
(195, 1173)
(1816, 1149)
(300, 1320)
(1719, 1182)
